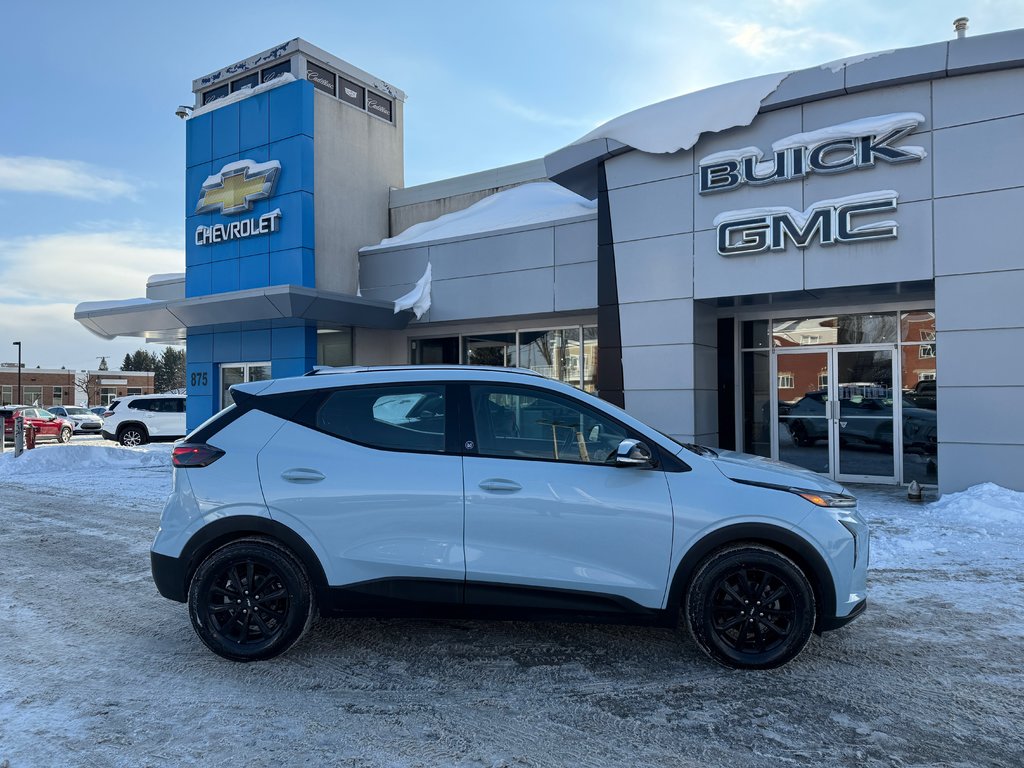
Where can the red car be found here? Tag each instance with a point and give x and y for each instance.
(46, 424)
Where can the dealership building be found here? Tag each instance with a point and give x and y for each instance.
(809, 266)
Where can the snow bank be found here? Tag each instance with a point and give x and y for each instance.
(678, 123)
(520, 206)
(63, 459)
(982, 505)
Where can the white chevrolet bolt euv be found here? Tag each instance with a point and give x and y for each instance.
(483, 492)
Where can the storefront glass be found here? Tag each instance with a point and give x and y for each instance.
(490, 349)
(874, 328)
(556, 354)
(239, 373)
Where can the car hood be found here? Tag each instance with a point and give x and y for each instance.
(82, 417)
(757, 469)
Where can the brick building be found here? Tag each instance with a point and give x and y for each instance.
(68, 387)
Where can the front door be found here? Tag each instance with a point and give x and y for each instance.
(547, 508)
(835, 410)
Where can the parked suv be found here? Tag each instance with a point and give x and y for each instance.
(85, 421)
(137, 420)
(469, 489)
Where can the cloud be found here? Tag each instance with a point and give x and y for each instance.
(85, 265)
(69, 178)
(768, 42)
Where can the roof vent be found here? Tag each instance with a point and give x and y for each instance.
(960, 25)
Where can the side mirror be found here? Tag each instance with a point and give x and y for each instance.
(633, 453)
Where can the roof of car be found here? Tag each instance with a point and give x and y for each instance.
(322, 370)
(148, 397)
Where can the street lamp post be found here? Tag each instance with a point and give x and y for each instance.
(18, 345)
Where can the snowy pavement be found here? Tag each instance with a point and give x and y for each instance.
(97, 669)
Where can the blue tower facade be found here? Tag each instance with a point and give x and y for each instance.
(274, 126)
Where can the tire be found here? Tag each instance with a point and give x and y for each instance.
(65, 435)
(132, 436)
(800, 438)
(265, 627)
(715, 615)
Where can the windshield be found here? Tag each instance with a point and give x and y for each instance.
(74, 410)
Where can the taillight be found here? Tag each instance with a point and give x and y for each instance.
(107, 414)
(195, 455)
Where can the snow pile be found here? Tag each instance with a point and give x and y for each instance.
(418, 299)
(678, 123)
(64, 459)
(986, 507)
(960, 532)
(520, 206)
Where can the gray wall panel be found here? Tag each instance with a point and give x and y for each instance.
(979, 157)
(904, 64)
(705, 411)
(670, 411)
(657, 322)
(576, 286)
(971, 232)
(971, 98)
(530, 249)
(662, 367)
(908, 257)
(985, 300)
(707, 207)
(392, 267)
(963, 465)
(652, 210)
(576, 242)
(715, 275)
(915, 97)
(641, 168)
(980, 358)
(658, 268)
(977, 51)
(509, 293)
(981, 415)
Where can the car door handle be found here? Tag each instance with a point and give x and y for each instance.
(497, 484)
(302, 476)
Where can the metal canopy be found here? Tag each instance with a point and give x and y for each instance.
(170, 318)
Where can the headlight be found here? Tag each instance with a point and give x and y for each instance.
(825, 499)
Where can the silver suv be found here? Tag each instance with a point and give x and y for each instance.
(135, 420)
(474, 490)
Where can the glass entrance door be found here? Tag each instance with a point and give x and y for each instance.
(835, 411)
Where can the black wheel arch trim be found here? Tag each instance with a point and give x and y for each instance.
(126, 424)
(173, 575)
(789, 543)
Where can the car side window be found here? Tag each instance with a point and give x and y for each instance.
(403, 418)
(141, 405)
(517, 422)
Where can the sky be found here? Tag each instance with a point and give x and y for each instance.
(92, 156)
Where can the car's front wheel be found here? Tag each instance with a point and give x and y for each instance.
(132, 436)
(250, 600)
(750, 607)
(64, 436)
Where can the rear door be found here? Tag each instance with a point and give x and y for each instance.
(368, 474)
(546, 507)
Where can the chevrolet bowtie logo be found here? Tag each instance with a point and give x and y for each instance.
(238, 186)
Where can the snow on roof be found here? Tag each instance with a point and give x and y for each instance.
(678, 123)
(520, 206)
(165, 277)
(243, 93)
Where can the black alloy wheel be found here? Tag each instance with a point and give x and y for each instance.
(750, 607)
(250, 600)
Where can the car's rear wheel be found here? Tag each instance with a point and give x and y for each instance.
(750, 607)
(65, 435)
(132, 436)
(250, 600)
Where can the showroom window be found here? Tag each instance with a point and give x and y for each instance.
(108, 395)
(399, 418)
(567, 354)
(7, 394)
(134, 391)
